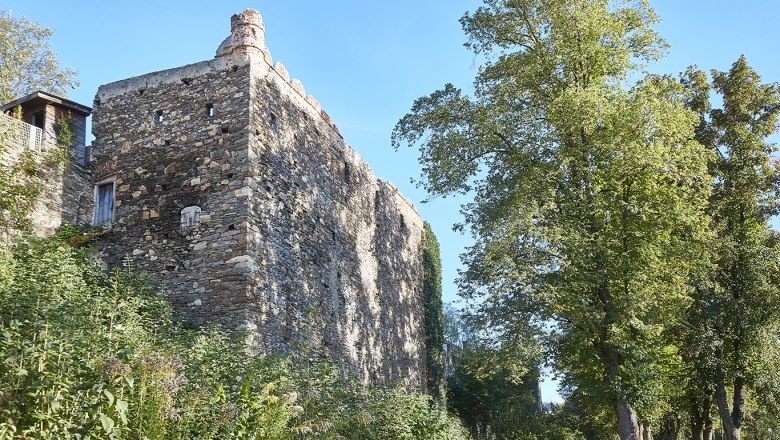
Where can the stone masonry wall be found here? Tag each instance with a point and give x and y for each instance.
(187, 159)
(298, 242)
(338, 250)
(67, 197)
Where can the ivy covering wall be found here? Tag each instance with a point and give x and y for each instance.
(434, 328)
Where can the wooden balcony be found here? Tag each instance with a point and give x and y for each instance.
(19, 134)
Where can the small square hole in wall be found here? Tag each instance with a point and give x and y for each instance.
(158, 116)
(225, 130)
(210, 110)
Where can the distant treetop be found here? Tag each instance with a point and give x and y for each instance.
(27, 62)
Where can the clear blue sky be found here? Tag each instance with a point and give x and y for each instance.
(366, 62)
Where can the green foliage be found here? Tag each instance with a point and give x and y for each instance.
(434, 326)
(85, 354)
(490, 400)
(494, 391)
(589, 191)
(732, 338)
(28, 63)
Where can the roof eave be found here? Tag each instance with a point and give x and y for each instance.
(53, 99)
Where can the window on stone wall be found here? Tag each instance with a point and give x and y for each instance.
(274, 122)
(190, 216)
(347, 175)
(210, 110)
(158, 116)
(104, 203)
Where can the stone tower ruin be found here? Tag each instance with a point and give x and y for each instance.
(229, 184)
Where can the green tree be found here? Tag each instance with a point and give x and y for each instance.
(588, 186)
(738, 313)
(496, 392)
(697, 337)
(491, 398)
(27, 62)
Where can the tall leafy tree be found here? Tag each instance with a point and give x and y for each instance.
(738, 315)
(27, 62)
(698, 339)
(588, 187)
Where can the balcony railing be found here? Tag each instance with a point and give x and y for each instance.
(16, 133)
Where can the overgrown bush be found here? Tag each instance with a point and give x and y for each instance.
(86, 354)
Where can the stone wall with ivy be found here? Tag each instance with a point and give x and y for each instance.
(434, 321)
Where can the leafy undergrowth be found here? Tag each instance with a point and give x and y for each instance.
(85, 354)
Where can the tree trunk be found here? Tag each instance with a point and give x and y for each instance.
(731, 421)
(670, 428)
(709, 434)
(701, 417)
(628, 421)
(538, 394)
(738, 410)
(697, 424)
(647, 431)
(707, 417)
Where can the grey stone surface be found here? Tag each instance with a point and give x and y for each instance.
(298, 242)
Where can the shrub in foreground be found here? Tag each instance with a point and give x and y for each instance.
(85, 354)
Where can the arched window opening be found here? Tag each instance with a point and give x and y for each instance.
(190, 216)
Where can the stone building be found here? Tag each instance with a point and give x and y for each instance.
(229, 184)
(68, 194)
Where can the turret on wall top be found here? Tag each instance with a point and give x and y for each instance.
(247, 37)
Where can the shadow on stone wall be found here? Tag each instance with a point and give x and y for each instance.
(338, 268)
